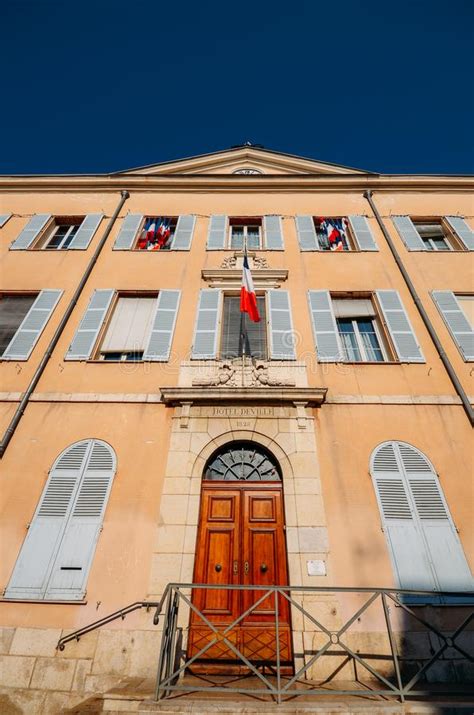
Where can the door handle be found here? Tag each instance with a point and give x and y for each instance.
(236, 568)
(263, 568)
(218, 567)
(246, 567)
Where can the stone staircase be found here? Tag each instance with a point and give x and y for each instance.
(135, 697)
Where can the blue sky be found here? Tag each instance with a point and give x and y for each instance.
(100, 86)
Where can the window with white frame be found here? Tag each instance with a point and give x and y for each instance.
(435, 235)
(333, 234)
(245, 232)
(127, 332)
(239, 333)
(359, 330)
(59, 233)
(467, 306)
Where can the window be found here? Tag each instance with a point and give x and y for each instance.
(424, 546)
(362, 328)
(359, 331)
(59, 234)
(236, 325)
(57, 553)
(467, 306)
(245, 232)
(156, 233)
(13, 310)
(126, 327)
(22, 320)
(446, 233)
(335, 233)
(129, 328)
(434, 235)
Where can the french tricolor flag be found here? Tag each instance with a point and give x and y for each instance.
(248, 299)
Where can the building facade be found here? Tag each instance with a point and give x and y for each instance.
(149, 437)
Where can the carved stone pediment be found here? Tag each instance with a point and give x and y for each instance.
(243, 373)
(236, 260)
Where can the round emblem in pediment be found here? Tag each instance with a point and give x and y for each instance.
(247, 171)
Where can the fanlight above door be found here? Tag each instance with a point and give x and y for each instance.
(244, 462)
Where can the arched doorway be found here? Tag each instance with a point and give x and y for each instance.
(240, 541)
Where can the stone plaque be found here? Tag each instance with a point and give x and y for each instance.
(317, 567)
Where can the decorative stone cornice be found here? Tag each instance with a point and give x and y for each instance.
(231, 278)
(310, 396)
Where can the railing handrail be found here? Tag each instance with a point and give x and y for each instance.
(136, 605)
(121, 613)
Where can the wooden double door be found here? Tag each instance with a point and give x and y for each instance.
(241, 540)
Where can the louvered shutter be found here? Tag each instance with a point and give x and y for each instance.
(362, 233)
(403, 336)
(206, 329)
(3, 219)
(408, 233)
(217, 232)
(90, 325)
(281, 326)
(462, 230)
(25, 338)
(457, 323)
(306, 230)
(183, 234)
(128, 232)
(164, 321)
(30, 232)
(71, 566)
(426, 550)
(407, 548)
(35, 561)
(86, 231)
(326, 336)
(273, 233)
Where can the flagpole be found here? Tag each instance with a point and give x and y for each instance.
(243, 325)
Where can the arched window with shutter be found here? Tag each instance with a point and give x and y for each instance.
(57, 553)
(424, 545)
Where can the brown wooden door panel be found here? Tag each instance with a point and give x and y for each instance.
(217, 550)
(241, 530)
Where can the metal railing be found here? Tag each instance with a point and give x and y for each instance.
(175, 663)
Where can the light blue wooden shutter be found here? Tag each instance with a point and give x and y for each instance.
(408, 233)
(35, 561)
(3, 219)
(85, 231)
(399, 326)
(306, 230)
(206, 330)
(362, 233)
(462, 230)
(32, 326)
(30, 232)
(457, 323)
(164, 321)
(128, 232)
(273, 233)
(183, 234)
(405, 541)
(282, 336)
(426, 549)
(71, 566)
(217, 232)
(326, 335)
(88, 330)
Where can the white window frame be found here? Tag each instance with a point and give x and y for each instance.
(97, 354)
(429, 241)
(245, 237)
(53, 233)
(360, 342)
